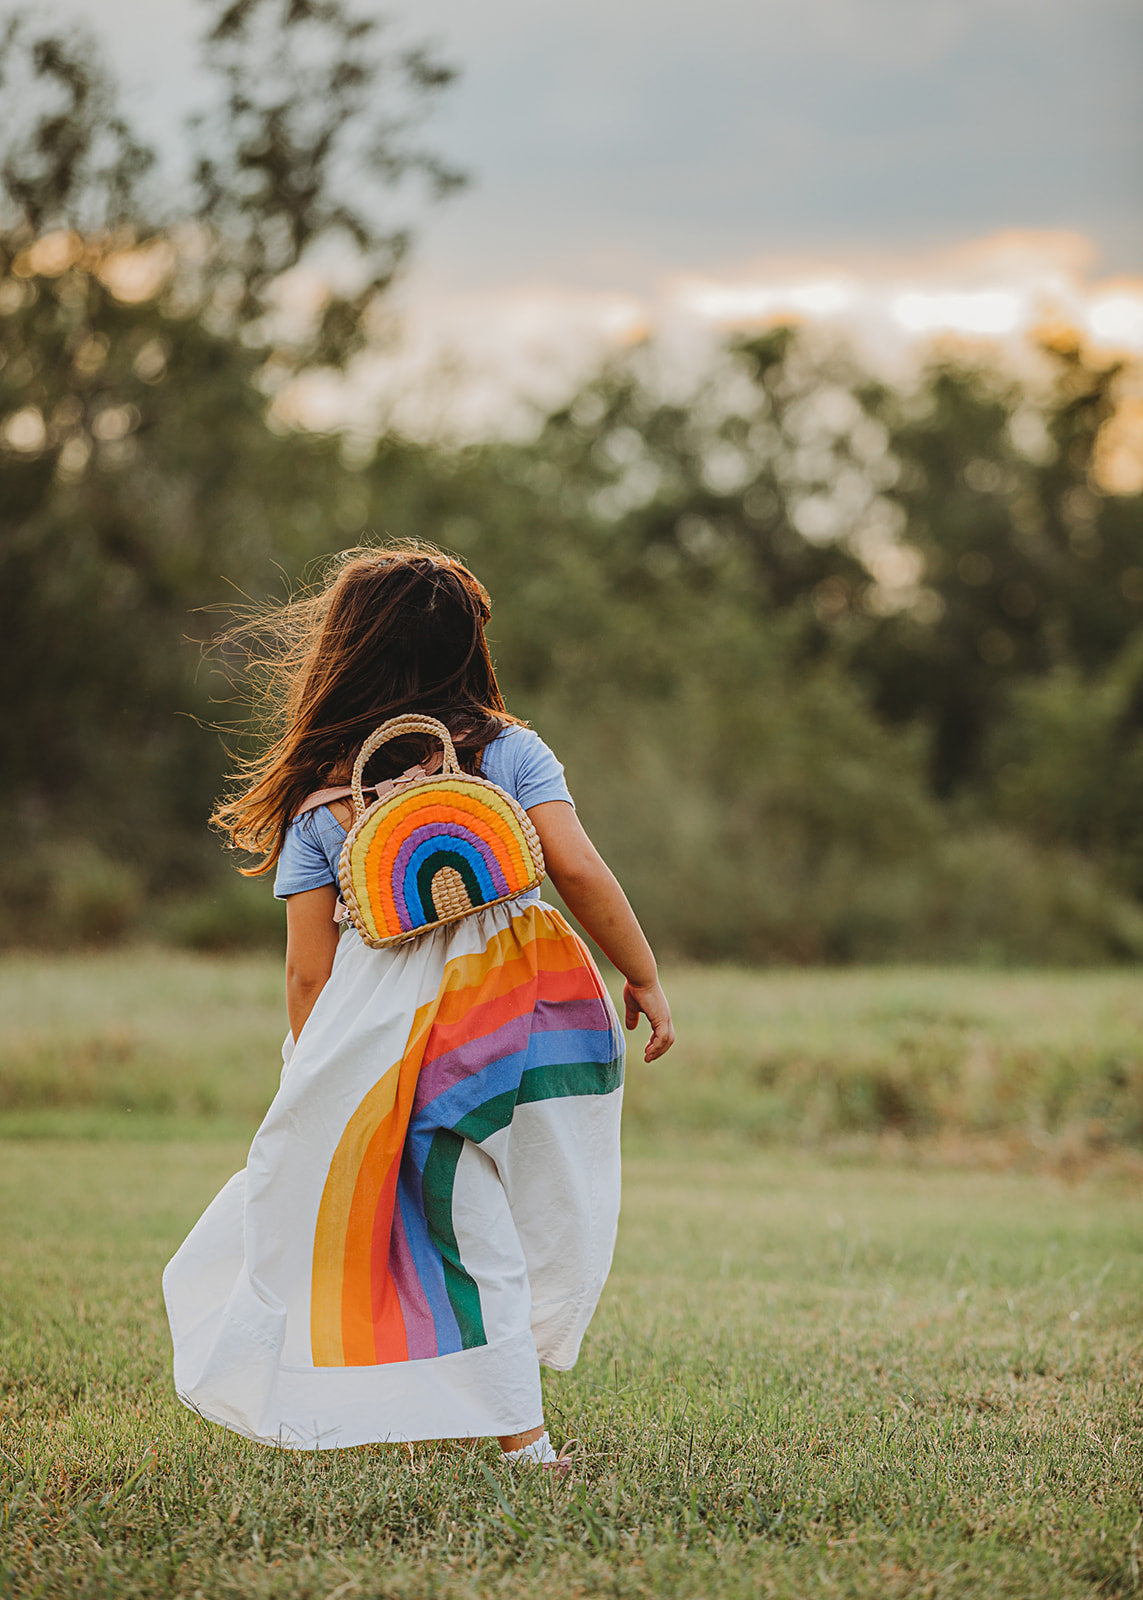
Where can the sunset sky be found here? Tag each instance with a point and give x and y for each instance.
(611, 142)
(640, 159)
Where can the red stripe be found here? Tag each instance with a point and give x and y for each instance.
(486, 1016)
(389, 1340)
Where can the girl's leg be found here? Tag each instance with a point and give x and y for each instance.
(517, 1441)
(534, 1448)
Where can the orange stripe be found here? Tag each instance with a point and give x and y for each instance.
(390, 1340)
(470, 973)
(504, 976)
(480, 1019)
(329, 1270)
(374, 1178)
(376, 1183)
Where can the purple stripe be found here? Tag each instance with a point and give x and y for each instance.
(561, 1016)
(427, 1266)
(420, 1330)
(437, 830)
(469, 1057)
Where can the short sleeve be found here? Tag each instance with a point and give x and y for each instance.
(536, 774)
(304, 862)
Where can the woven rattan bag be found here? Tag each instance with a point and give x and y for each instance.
(433, 848)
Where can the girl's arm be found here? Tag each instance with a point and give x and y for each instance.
(593, 896)
(311, 942)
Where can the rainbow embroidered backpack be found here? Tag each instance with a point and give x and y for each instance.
(433, 847)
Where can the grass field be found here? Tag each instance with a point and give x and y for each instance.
(1049, 1065)
(819, 1369)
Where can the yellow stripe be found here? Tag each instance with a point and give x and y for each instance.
(333, 1220)
(358, 853)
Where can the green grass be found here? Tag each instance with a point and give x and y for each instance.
(804, 1380)
(826, 1363)
(149, 1043)
(138, 1041)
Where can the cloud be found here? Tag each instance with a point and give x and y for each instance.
(678, 132)
(473, 364)
(613, 140)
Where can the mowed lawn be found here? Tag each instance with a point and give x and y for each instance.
(805, 1379)
(838, 1355)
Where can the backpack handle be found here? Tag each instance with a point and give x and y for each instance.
(395, 728)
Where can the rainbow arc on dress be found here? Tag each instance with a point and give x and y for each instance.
(525, 1019)
(433, 850)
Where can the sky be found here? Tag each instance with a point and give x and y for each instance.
(630, 157)
(613, 140)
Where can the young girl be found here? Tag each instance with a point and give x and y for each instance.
(429, 1209)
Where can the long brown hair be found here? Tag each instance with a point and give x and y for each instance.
(392, 629)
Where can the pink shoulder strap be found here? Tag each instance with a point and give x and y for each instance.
(322, 797)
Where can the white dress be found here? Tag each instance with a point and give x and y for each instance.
(429, 1208)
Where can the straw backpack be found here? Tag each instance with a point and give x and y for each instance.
(434, 846)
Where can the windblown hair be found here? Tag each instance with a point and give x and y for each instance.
(395, 629)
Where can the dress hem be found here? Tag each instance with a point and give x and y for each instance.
(472, 1394)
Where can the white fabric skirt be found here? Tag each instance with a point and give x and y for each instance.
(429, 1208)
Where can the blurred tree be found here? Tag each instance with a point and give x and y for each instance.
(313, 126)
(732, 588)
(139, 341)
(741, 467)
(1064, 762)
(1027, 566)
(838, 672)
(722, 750)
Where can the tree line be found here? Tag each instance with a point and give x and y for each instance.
(840, 671)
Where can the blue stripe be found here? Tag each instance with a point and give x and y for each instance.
(456, 1102)
(542, 1050)
(426, 1258)
(572, 1044)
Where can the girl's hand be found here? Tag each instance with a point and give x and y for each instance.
(649, 999)
(591, 893)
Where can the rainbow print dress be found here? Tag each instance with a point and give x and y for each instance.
(428, 1211)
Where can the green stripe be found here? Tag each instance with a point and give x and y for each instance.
(482, 1122)
(428, 871)
(436, 1187)
(555, 1082)
(566, 1078)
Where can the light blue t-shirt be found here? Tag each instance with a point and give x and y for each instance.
(517, 761)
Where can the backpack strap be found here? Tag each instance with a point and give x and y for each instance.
(322, 797)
